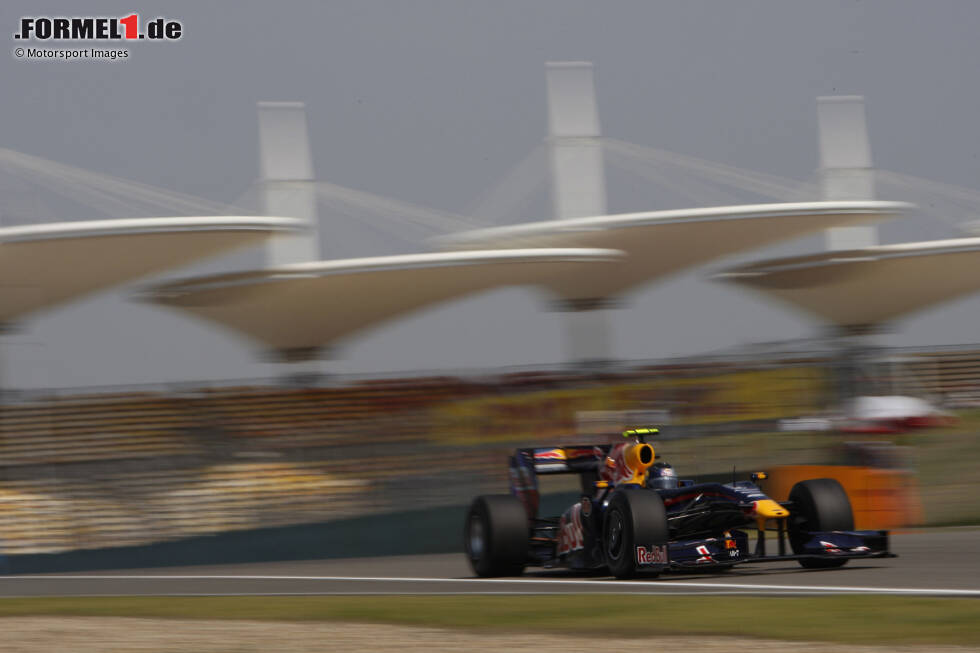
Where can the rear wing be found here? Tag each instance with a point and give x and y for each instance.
(527, 464)
(565, 460)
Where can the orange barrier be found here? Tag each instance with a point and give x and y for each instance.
(880, 498)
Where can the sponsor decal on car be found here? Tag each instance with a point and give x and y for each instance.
(731, 546)
(655, 555)
(704, 553)
(583, 452)
(550, 454)
(570, 537)
(830, 547)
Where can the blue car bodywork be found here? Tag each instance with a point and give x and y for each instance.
(708, 523)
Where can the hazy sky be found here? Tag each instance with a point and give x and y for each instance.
(433, 102)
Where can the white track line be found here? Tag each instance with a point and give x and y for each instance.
(651, 584)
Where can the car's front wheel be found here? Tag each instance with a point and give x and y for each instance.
(496, 536)
(819, 504)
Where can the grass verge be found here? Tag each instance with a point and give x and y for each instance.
(845, 619)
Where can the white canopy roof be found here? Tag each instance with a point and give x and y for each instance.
(300, 308)
(866, 287)
(661, 243)
(48, 264)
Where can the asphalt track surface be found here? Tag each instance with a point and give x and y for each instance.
(930, 563)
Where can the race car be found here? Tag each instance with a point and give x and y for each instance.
(635, 517)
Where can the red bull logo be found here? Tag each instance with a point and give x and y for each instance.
(550, 454)
(655, 555)
(570, 536)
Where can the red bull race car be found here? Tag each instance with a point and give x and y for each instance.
(636, 517)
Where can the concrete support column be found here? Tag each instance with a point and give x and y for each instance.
(287, 180)
(846, 173)
(287, 190)
(577, 172)
(845, 164)
(588, 329)
(578, 189)
(856, 363)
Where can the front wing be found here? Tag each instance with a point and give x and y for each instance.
(734, 549)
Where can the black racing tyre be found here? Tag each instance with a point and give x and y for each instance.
(496, 536)
(632, 518)
(819, 504)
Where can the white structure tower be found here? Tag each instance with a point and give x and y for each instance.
(578, 190)
(287, 180)
(845, 164)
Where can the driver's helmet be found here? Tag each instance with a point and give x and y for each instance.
(662, 477)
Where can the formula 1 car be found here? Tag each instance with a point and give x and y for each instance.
(635, 516)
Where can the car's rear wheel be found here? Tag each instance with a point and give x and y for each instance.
(496, 536)
(819, 504)
(633, 518)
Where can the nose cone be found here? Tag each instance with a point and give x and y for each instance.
(769, 509)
